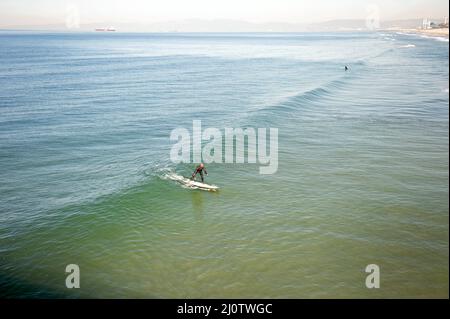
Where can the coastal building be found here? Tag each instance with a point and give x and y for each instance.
(428, 24)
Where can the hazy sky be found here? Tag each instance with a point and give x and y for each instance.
(28, 12)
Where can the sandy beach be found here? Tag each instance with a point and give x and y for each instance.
(441, 32)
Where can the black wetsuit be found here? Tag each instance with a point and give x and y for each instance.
(199, 170)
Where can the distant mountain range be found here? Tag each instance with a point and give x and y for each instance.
(228, 26)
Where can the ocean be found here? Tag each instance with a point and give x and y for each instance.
(363, 175)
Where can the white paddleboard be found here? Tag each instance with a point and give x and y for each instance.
(192, 184)
(202, 185)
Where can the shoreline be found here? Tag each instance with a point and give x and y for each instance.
(441, 32)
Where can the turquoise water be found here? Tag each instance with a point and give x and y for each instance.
(85, 120)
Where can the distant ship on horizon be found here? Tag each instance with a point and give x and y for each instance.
(109, 29)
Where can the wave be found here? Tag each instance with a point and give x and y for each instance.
(441, 39)
(408, 46)
(431, 37)
(314, 94)
(294, 102)
(179, 179)
(437, 38)
(377, 55)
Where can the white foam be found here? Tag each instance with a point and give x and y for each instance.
(441, 39)
(437, 38)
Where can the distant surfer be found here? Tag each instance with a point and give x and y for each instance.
(200, 169)
(346, 68)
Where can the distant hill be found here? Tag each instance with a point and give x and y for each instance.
(355, 24)
(194, 25)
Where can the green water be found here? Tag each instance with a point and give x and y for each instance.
(362, 176)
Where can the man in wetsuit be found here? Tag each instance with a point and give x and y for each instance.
(199, 169)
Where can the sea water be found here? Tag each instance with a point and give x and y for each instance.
(85, 122)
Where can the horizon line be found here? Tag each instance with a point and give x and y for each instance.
(62, 22)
